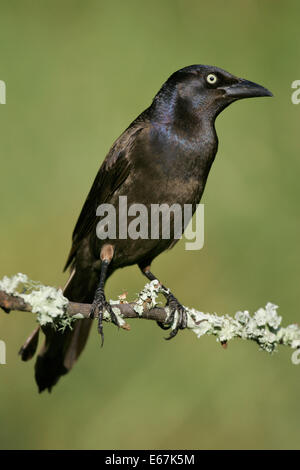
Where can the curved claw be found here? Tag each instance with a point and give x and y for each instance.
(173, 333)
(164, 326)
(179, 323)
(170, 320)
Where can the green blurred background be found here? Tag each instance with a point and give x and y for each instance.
(77, 73)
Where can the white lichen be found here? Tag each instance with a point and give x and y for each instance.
(117, 312)
(47, 302)
(263, 327)
(147, 298)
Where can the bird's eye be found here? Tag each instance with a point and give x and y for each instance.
(211, 79)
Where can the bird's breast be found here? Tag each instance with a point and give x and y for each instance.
(173, 167)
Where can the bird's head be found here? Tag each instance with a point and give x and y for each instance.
(203, 90)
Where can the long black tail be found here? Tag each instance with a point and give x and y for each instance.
(61, 350)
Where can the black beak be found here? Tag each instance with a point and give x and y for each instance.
(245, 89)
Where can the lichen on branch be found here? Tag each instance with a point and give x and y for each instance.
(47, 302)
(51, 307)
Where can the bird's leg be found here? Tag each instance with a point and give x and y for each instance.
(100, 303)
(177, 323)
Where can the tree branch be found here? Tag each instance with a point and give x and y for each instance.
(12, 302)
(52, 308)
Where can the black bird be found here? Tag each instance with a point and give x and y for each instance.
(164, 156)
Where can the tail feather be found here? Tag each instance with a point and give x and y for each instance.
(49, 366)
(29, 348)
(62, 349)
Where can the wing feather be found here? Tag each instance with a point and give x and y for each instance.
(112, 173)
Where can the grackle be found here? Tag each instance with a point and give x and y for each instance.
(164, 156)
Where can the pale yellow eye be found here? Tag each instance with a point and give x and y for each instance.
(211, 78)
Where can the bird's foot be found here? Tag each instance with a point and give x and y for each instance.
(99, 305)
(177, 319)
